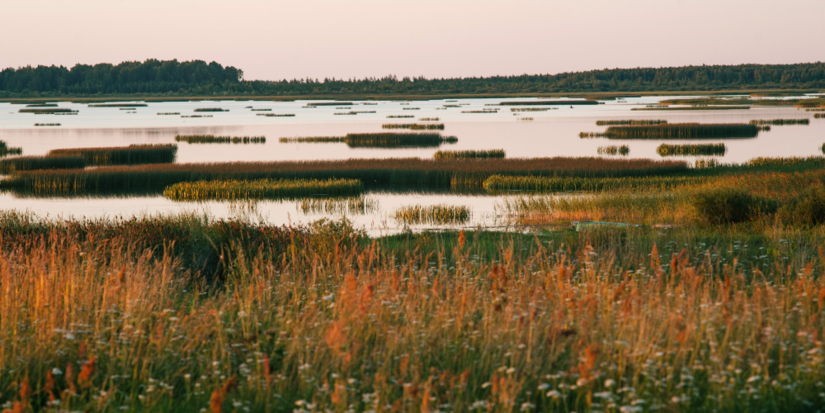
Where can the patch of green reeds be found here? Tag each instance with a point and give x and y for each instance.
(400, 116)
(336, 206)
(261, 189)
(354, 112)
(629, 122)
(5, 150)
(470, 154)
(428, 119)
(397, 140)
(387, 173)
(117, 105)
(586, 135)
(706, 163)
(502, 183)
(815, 110)
(413, 126)
(433, 214)
(220, 139)
(34, 163)
(330, 104)
(277, 115)
(525, 119)
(658, 107)
(819, 115)
(261, 110)
(314, 139)
(480, 111)
(707, 149)
(622, 150)
(128, 108)
(168, 113)
(196, 116)
(42, 105)
(549, 102)
(46, 124)
(531, 109)
(124, 155)
(788, 161)
(47, 111)
(211, 110)
(779, 122)
(410, 108)
(683, 131)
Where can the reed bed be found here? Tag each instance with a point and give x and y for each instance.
(260, 110)
(230, 190)
(694, 108)
(314, 139)
(531, 109)
(128, 108)
(344, 107)
(788, 161)
(480, 111)
(124, 155)
(331, 104)
(470, 154)
(525, 119)
(452, 106)
(338, 206)
(683, 131)
(277, 115)
(42, 105)
(428, 119)
(400, 116)
(354, 112)
(34, 163)
(65, 113)
(549, 102)
(622, 150)
(433, 215)
(815, 110)
(46, 124)
(392, 173)
(397, 140)
(706, 163)
(410, 108)
(47, 111)
(5, 150)
(117, 105)
(501, 183)
(629, 122)
(168, 113)
(413, 126)
(819, 115)
(587, 135)
(211, 110)
(196, 116)
(220, 139)
(705, 149)
(780, 122)
(764, 128)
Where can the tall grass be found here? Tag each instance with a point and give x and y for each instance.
(413, 126)
(613, 150)
(330, 104)
(32, 163)
(337, 206)
(220, 139)
(428, 119)
(196, 116)
(125, 155)
(501, 183)
(709, 149)
(531, 109)
(261, 189)
(314, 139)
(683, 131)
(778, 122)
(470, 154)
(815, 110)
(434, 214)
(819, 115)
(354, 112)
(480, 111)
(395, 173)
(629, 122)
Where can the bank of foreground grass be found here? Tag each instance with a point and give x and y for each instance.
(320, 318)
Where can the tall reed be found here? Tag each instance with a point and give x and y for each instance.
(613, 150)
(683, 131)
(413, 126)
(5, 150)
(124, 155)
(710, 149)
(434, 214)
(32, 163)
(778, 122)
(470, 154)
(629, 122)
(261, 189)
(220, 139)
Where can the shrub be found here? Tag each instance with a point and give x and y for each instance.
(726, 205)
(806, 209)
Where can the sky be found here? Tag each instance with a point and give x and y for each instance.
(287, 39)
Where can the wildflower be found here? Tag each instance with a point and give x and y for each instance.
(554, 394)
(609, 383)
(56, 371)
(527, 406)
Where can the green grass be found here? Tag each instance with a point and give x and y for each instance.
(32, 163)
(433, 215)
(124, 155)
(531, 109)
(261, 189)
(629, 122)
(819, 115)
(220, 139)
(314, 139)
(778, 122)
(413, 126)
(338, 206)
(470, 154)
(683, 131)
(708, 149)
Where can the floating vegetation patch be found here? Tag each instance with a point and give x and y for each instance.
(765, 128)
(694, 108)
(525, 119)
(470, 154)
(5, 150)
(211, 110)
(683, 131)
(397, 140)
(337, 206)
(277, 115)
(703, 163)
(433, 214)
(344, 107)
(128, 108)
(413, 126)
(46, 124)
(385, 173)
(549, 102)
(400, 116)
(261, 110)
(629, 122)
(819, 115)
(47, 111)
(32, 163)
(410, 108)
(452, 106)
(123, 155)
(354, 112)
(261, 189)
(622, 150)
(330, 104)
(815, 110)
(501, 183)
(369, 103)
(708, 149)
(779, 122)
(428, 119)
(168, 113)
(42, 105)
(314, 139)
(220, 139)
(531, 109)
(480, 111)
(586, 135)
(117, 105)
(196, 116)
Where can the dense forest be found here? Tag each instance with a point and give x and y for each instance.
(173, 78)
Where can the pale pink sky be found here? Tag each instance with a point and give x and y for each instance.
(434, 38)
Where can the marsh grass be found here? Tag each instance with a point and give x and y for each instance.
(400, 116)
(549, 102)
(168, 113)
(779, 122)
(117, 105)
(125, 155)
(707, 149)
(629, 122)
(661, 107)
(32, 163)
(196, 116)
(622, 150)
(211, 110)
(470, 154)
(5, 150)
(819, 115)
(194, 139)
(47, 111)
(683, 131)
(338, 206)
(397, 140)
(46, 124)
(531, 109)
(314, 139)
(330, 104)
(413, 126)
(276, 115)
(501, 183)
(433, 215)
(261, 189)
(480, 111)
(428, 119)
(260, 110)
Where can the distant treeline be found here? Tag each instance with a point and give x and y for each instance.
(199, 78)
